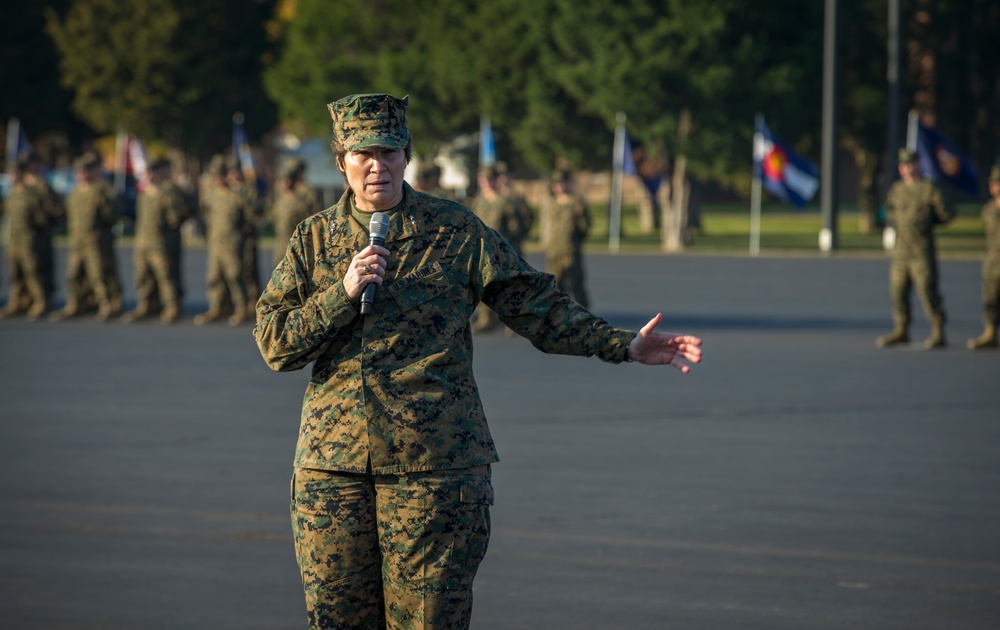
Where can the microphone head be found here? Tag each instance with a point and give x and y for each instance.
(379, 225)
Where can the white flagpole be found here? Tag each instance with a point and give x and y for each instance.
(755, 193)
(911, 130)
(617, 168)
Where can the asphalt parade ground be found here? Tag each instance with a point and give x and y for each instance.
(799, 478)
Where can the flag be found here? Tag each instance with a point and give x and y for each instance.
(243, 154)
(487, 148)
(17, 143)
(942, 162)
(783, 173)
(136, 162)
(628, 162)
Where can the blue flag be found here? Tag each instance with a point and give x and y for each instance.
(784, 174)
(628, 162)
(942, 162)
(241, 151)
(487, 148)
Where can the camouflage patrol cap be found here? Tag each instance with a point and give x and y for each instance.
(86, 161)
(489, 172)
(362, 121)
(559, 176)
(907, 156)
(995, 174)
(292, 168)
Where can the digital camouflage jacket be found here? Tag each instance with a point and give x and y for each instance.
(394, 391)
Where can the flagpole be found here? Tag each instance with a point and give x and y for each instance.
(617, 175)
(755, 192)
(912, 122)
(13, 133)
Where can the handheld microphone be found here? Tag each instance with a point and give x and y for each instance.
(378, 228)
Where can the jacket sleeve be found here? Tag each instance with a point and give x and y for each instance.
(530, 303)
(294, 324)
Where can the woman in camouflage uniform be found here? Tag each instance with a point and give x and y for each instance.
(391, 491)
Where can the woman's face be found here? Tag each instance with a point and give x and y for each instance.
(376, 177)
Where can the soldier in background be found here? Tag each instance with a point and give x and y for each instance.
(251, 267)
(569, 225)
(991, 267)
(90, 265)
(226, 214)
(429, 181)
(502, 213)
(294, 200)
(31, 213)
(160, 211)
(524, 215)
(915, 206)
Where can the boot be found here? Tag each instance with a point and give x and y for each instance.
(170, 314)
(38, 311)
(10, 309)
(142, 311)
(70, 310)
(897, 336)
(986, 340)
(106, 311)
(936, 340)
(238, 317)
(211, 315)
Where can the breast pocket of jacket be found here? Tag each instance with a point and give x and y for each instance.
(420, 287)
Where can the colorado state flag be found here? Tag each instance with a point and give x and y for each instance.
(783, 173)
(942, 162)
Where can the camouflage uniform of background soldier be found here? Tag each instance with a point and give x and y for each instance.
(294, 201)
(226, 214)
(31, 213)
(991, 267)
(160, 210)
(502, 213)
(248, 191)
(429, 181)
(914, 206)
(391, 490)
(91, 269)
(569, 224)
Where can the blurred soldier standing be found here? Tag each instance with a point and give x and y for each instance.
(429, 181)
(227, 213)
(55, 207)
(501, 213)
(991, 267)
(525, 215)
(31, 212)
(160, 211)
(568, 227)
(90, 265)
(251, 268)
(915, 206)
(294, 201)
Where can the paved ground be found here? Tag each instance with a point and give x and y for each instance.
(799, 478)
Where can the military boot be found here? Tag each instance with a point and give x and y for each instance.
(936, 340)
(170, 313)
(897, 336)
(986, 340)
(211, 315)
(239, 316)
(142, 311)
(12, 308)
(38, 311)
(72, 309)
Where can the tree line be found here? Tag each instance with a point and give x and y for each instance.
(550, 74)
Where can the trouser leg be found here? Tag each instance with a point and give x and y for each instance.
(900, 286)
(336, 545)
(434, 529)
